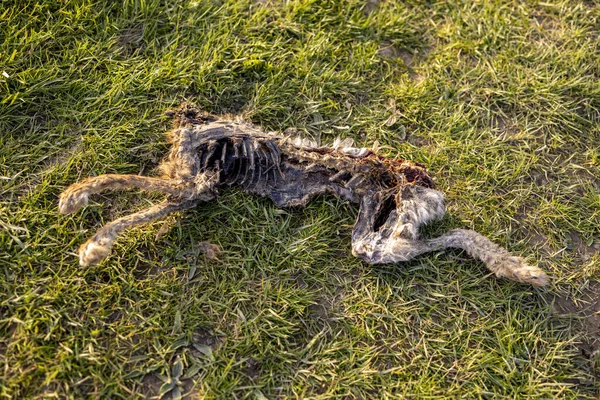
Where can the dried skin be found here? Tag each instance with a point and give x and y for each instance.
(396, 196)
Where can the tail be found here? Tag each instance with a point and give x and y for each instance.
(497, 259)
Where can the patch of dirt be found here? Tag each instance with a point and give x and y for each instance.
(33, 180)
(188, 390)
(252, 369)
(534, 239)
(389, 51)
(327, 306)
(204, 341)
(576, 244)
(419, 141)
(299, 280)
(538, 241)
(150, 385)
(586, 309)
(152, 268)
(409, 58)
(504, 126)
(321, 309)
(114, 317)
(406, 56)
(61, 158)
(582, 177)
(538, 177)
(39, 121)
(370, 6)
(131, 40)
(545, 22)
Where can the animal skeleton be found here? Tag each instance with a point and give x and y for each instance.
(396, 196)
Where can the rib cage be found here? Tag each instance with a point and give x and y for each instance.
(241, 160)
(288, 170)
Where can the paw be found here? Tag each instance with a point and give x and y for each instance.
(516, 269)
(72, 201)
(92, 252)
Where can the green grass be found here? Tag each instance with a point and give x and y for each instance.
(500, 99)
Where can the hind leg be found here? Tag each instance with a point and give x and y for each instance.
(98, 246)
(77, 195)
(397, 238)
(417, 207)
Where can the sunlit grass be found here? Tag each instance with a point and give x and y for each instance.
(499, 99)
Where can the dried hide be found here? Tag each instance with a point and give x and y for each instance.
(396, 196)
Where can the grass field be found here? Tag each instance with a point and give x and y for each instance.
(500, 99)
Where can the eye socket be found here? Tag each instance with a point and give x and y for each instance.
(383, 212)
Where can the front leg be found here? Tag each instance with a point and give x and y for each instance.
(98, 246)
(202, 188)
(77, 195)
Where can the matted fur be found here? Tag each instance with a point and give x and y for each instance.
(396, 196)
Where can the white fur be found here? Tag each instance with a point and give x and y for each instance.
(92, 252)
